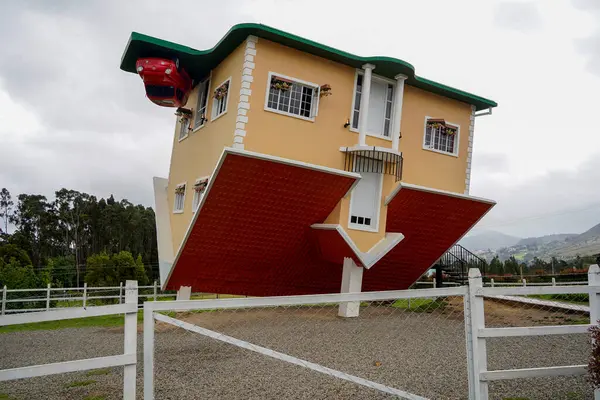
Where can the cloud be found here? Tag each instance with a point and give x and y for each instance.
(520, 16)
(590, 46)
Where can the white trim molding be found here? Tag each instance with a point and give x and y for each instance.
(376, 253)
(215, 101)
(470, 150)
(239, 134)
(402, 185)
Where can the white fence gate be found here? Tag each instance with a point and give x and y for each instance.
(128, 359)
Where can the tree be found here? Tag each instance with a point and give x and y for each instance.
(6, 206)
(496, 266)
(110, 270)
(511, 266)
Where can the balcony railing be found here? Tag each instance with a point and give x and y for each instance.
(373, 160)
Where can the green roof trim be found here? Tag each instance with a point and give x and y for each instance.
(199, 63)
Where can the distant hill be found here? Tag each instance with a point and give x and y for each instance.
(488, 240)
(541, 240)
(588, 243)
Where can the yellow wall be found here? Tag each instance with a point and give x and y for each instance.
(197, 155)
(315, 142)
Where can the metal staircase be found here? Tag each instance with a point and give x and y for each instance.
(455, 264)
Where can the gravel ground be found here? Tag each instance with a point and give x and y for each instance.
(422, 353)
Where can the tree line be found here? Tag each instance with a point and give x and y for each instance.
(538, 266)
(73, 238)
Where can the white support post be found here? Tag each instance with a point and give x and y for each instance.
(84, 294)
(351, 283)
(524, 282)
(148, 352)
(4, 300)
(129, 371)
(594, 280)
(477, 353)
(155, 289)
(184, 293)
(434, 283)
(492, 282)
(554, 281)
(364, 104)
(121, 293)
(48, 298)
(398, 98)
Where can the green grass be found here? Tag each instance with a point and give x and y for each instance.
(4, 396)
(420, 305)
(95, 372)
(579, 299)
(101, 321)
(80, 383)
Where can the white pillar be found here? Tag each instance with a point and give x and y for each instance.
(476, 346)
(398, 98)
(364, 104)
(351, 283)
(129, 371)
(184, 293)
(594, 281)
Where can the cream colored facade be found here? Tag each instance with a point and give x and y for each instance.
(248, 125)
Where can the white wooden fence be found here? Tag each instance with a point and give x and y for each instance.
(128, 359)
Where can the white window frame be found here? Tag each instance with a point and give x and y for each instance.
(183, 126)
(175, 209)
(198, 196)
(365, 228)
(213, 110)
(381, 79)
(208, 81)
(456, 141)
(314, 106)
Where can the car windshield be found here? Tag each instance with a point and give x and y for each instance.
(160, 91)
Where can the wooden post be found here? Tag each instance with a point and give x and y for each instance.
(84, 294)
(492, 282)
(476, 346)
(155, 289)
(594, 281)
(129, 371)
(148, 352)
(121, 293)
(48, 298)
(554, 281)
(524, 282)
(4, 300)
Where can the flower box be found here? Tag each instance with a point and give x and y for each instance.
(221, 91)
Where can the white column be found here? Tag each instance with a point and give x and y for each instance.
(398, 99)
(364, 104)
(148, 352)
(476, 346)
(351, 283)
(184, 293)
(594, 281)
(129, 371)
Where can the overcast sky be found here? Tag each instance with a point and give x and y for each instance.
(69, 117)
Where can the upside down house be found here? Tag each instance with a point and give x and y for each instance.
(297, 168)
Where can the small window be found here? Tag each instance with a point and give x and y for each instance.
(292, 97)
(380, 106)
(200, 117)
(184, 127)
(199, 189)
(220, 97)
(179, 198)
(365, 199)
(441, 136)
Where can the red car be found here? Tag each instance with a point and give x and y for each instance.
(166, 83)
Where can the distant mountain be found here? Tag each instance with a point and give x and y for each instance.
(541, 240)
(588, 243)
(488, 240)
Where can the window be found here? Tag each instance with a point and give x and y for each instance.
(200, 117)
(184, 127)
(292, 97)
(441, 136)
(366, 198)
(179, 198)
(199, 189)
(380, 106)
(220, 97)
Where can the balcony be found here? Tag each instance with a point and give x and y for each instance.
(373, 159)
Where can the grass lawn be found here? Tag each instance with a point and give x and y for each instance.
(101, 321)
(580, 299)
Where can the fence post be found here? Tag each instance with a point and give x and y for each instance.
(148, 352)
(492, 282)
(476, 346)
(48, 298)
(129, 371)
(553, 281)
(524, 282)
(594, 280)
(155, 290)
(84, 294)
(434, 284)
(121, 293)
(4, 300)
